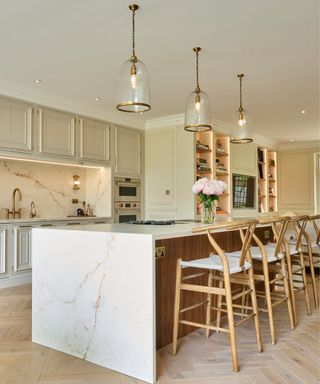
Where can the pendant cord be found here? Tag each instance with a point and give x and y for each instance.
(133, 34)
(197, 72)
(240, 78)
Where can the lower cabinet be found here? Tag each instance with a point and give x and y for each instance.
(15, 256)
(3, 256)
(22, 249)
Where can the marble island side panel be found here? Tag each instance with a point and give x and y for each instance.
(94, 297)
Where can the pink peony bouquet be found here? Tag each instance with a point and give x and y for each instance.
(208, 190)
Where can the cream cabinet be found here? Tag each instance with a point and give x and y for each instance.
(56, 132)
(3, 258)
(94, 140)
(16, 125)
(127, 151)
(244, 159)
(22, 249)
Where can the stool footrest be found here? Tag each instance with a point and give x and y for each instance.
(194, 306)
(199, 325)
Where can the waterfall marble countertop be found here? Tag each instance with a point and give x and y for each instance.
(180, 229)
(53, 220)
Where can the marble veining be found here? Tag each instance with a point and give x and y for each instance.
(50, 187)
(93, 297)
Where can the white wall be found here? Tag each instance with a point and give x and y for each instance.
(296, 180)
(50, 187)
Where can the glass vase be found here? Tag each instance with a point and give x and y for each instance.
(207, 214)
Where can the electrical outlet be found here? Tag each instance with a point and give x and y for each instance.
(267, 234)
(167, 191)
(75, 201)
(160, 252)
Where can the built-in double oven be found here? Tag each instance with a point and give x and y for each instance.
(127, 199)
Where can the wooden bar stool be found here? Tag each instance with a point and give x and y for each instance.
(295, 261)
(225, 270)
(311, 248)
(270, 267)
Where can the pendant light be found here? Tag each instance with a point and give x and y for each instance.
(197, 114)
(134, 91)
(242, 133)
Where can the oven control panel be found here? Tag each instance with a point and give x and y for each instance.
(126, 205)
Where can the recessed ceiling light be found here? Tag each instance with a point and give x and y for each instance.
(303, 111)
(98, 99)
(291, 140)
(37, 81)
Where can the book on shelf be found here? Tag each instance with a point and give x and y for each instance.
(220, 151)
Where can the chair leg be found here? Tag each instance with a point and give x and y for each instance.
(219, 305)
(291, 286)
(232, 330)
(255, 310)
(209, 304)
(176, 308)
(269, 301)
(305, 282)
(287, 293)
(313, 277)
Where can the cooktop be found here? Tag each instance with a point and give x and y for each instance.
(152, 222)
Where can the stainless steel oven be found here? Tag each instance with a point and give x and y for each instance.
(127, 189)
(126, 211)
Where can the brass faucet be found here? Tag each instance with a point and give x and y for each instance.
(16, 213)
(33, 211)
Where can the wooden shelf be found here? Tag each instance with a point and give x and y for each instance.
(262, 195)
(203, 172)
(203, 150)
(272, 196)
(222, 173)
(272, 181)
(219, 154)
(262, 179)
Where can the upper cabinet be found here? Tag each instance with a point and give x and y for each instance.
(15, 125)
(244, 159)
(128, 151)
(94, 140)
(56, 133)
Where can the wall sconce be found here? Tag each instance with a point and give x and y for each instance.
(76, 182)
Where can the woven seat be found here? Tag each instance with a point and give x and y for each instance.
(214, 262)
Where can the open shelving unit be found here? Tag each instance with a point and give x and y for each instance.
(212, 155)
(222, 170)
(204, 159)
(262, 180)
(272, 182)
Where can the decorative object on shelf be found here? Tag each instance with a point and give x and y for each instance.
(76, 182)
(134, 90)
(242, 133)
(208, 191)
(197, 115)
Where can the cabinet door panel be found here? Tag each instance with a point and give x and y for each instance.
(3, 268)
(22, 259)
(128, 151)
(94, 140)
(16, 125)
(56, 133)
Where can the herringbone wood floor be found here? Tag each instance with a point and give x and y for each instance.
(294, 360)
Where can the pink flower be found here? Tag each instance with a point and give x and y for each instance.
(209, 187)
(199, 185)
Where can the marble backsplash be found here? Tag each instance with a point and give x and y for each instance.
(50, 186)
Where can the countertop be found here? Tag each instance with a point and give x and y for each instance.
(180, 229)
(39, 220)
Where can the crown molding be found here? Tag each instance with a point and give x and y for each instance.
(315, 144)
(218, 125)
(52, 100)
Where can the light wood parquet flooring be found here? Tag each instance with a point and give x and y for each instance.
(294, 360)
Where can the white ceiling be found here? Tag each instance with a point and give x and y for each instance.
(77, 46)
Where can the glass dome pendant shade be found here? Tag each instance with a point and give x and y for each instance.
(134, 90)
(197, 113)
(242, 133)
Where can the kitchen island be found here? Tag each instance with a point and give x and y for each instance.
(100, 294)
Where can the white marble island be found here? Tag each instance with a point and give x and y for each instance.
(94, 293)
